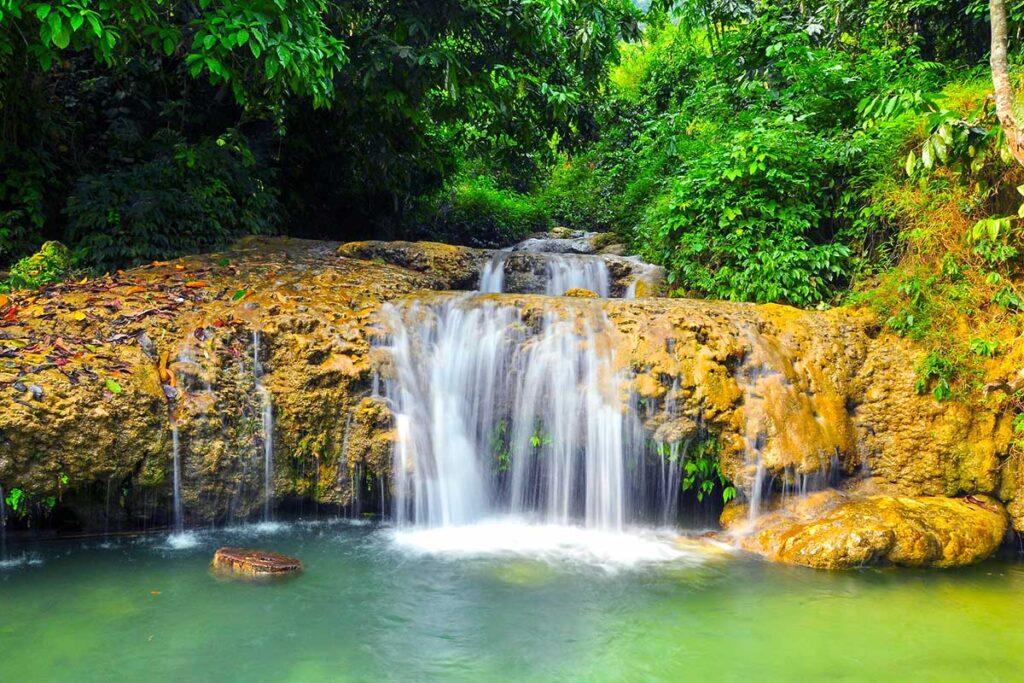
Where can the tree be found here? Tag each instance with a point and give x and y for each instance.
(1004, 95)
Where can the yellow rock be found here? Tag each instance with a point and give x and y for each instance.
(829, 530)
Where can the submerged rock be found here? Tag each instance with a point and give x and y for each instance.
(250, 562)
(830, 530)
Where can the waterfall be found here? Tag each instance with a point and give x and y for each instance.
(562, 272)
(500, 412)
(179, 517)
(568, 271)
(267, 423)
(492, 279)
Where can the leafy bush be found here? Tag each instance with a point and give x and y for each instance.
(21, 202)
(476, 213)
(174, 198)
(748, 219)
(578, 195)
(52, 263)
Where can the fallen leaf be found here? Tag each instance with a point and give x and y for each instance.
(239, 295)
(154, 593)
(196, 284)
(113, 386)
(4, 300)
(78, 315)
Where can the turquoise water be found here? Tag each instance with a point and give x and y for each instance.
(498, 605)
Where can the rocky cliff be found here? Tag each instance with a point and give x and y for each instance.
(94, 374)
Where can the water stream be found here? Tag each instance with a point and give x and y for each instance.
(178, 511)
(531, 419)
(267, 426)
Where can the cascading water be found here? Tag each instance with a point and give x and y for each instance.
(499, 410)
(567, 272)
(562, 272)
(178, 512)
(492, 278)
(267, 423)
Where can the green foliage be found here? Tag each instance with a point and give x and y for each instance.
(476, 212)
(52, 263)
(744, 221)
(258, 48)
(578, 196)
(172, 198)
(985, 347)
(500, 447)
(702, 468)
(936, 373)
(22, 213)
(16, 500)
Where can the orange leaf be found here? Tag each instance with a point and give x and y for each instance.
(196, 284)
(4, 300)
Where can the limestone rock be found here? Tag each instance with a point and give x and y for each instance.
(823, 395)
(580, 293)
(829, 530)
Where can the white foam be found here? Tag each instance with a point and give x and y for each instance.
(182, 541)
(558, 544)
(20, 561)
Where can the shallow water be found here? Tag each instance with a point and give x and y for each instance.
(494, 603)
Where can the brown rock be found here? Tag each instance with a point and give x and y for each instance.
(249, 562)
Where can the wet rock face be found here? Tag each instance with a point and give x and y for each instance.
(829, 530)
(819, 397)
(526, 270)
(119, 357)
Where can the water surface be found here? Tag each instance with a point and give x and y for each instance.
(496, 603)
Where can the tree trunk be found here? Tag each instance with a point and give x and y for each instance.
(1001, 80)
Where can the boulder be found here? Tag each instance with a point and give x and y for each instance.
(254, 563)
(831, 530)
(581, 293)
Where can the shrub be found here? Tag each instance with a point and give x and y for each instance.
(52, 263)
(474, 212)
(175, 198)
(579, 195)
(748, 219)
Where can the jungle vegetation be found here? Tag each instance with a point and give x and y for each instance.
(809, 153)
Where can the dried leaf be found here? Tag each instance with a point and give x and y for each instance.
(196, 284)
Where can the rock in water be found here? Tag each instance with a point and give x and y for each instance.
(249, 562)
(580, 293)
(829, 530)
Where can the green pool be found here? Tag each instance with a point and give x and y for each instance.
(501, 602)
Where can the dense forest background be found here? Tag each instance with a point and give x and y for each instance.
(809, 153)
